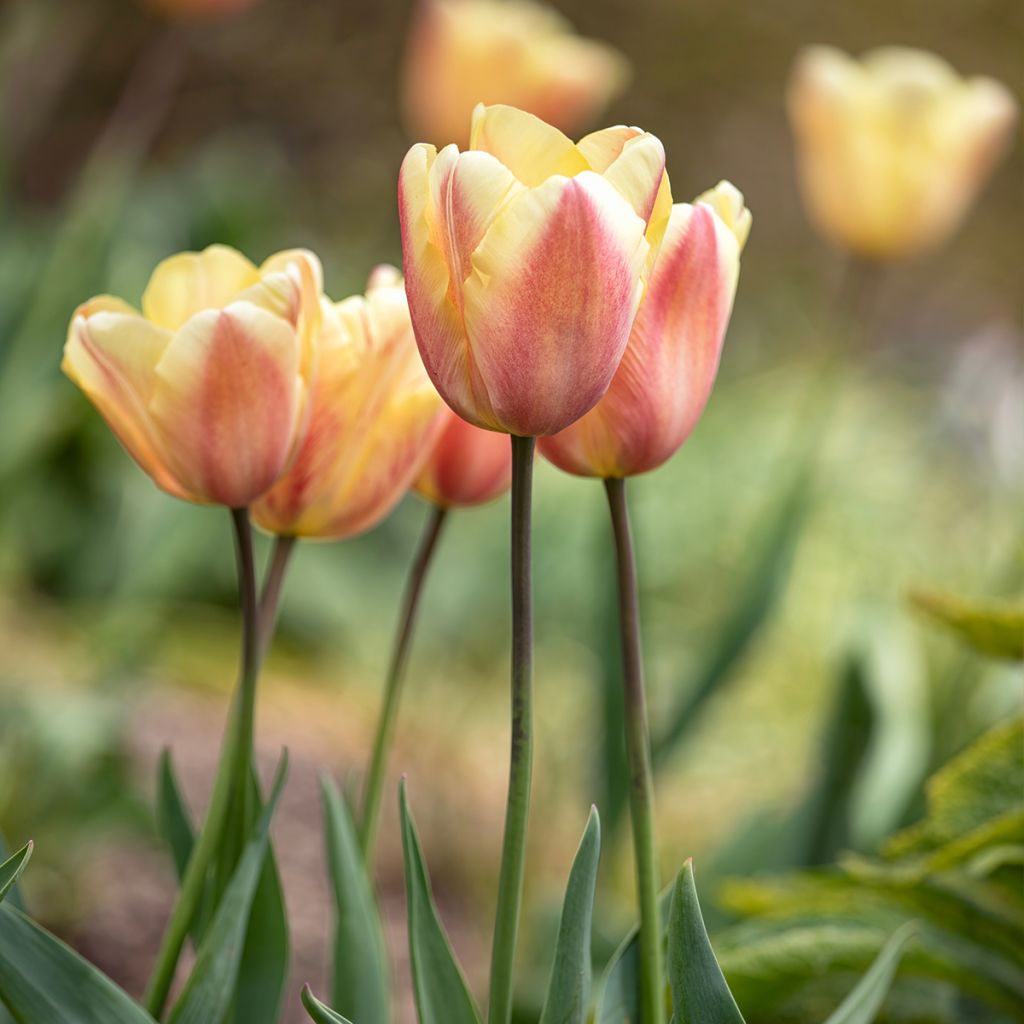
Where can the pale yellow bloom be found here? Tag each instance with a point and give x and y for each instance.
(893, 149)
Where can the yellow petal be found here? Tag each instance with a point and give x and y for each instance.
(727, 201)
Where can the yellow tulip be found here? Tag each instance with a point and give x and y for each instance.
(374, 418)
(524, 263)
(665, 377)
(206, 387)
(464, 52)
(893, 149)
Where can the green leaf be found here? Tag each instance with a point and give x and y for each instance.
(43, 981)
(861, 1006)
(992, 628)
(700, 994)
(210, 990)
(439, 987)
(318, 1012)
(14, 896)
(569, 989)
(11, 869)
(361, 983)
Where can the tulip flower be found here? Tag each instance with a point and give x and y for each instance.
(464, 52)
(893, 149)
(524, 262)
(205, 388)
(666, 374)
(467, 466)
(374, 415)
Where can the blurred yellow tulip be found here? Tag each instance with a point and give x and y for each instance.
(206, 387)
(524, 262)
(374, 418)
(464, 52)
(665, 377)
(893, 149)
(466, 466)
(197, 8)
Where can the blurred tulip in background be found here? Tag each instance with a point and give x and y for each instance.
(467, 466)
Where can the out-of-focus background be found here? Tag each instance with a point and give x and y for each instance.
(777, 549)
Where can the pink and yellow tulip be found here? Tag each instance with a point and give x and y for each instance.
(374, 417)
(666, 374)
(464, 52)
(206, 387)
(893, 149)
(524, 261)
(467, 465)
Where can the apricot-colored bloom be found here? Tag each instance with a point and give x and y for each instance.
(206, 387)
(374, 417)
(893, 149)
(197, 8)
(666, 375)
(524, 260)
(467, 465)
(464, 52)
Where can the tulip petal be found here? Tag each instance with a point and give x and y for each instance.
(190, 282)
(226, 402)
(530, 148)
(467, 466)
(632, 160)
(551, 299)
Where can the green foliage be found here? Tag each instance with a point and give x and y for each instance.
(318, 1012)
(861, 1006)
(992, 628)
(569, 989)
(442, 996)
(11, 869)
(361, 980)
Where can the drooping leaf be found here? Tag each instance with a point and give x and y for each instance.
(569, 989)
(439, 987)
(318, 1012)
(210, 990)
(42, 980)
(360, 977)
(11, 869)
(700, 994)
(992, 628)
(861, 1006)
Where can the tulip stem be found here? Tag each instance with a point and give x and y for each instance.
(374, 786)
(273, 583)
(513, 854)
(230, 784)
(638, 748)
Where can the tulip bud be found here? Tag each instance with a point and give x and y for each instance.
(666, 375)
(373, 420)
(467, 465)
(524, 260)
(197, 8)
(206, 387)
(464, 52)
(893, 149)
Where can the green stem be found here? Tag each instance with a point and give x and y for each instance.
(513, 854)
(273, 583)
(374, 787)
(230, 785)
(638, 750)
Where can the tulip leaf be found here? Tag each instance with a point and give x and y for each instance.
(42, 980)
(861, 1006)
(361, 983)
(700, 994)
(989, 627)
(569, 989)
(13, 895)
(318, 1012)
(210, 991)
(11, 869)
(439, 987)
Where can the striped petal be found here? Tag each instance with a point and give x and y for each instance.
(551, 299)
(226, 402)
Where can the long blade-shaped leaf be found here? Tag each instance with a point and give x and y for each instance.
(438, 985)
(569, 989)
(318, 1012)
(14, 897)
(42, 980)
(361, 983)
(11, 869)
(700, 994)
(210, 990)
(861, 1006)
